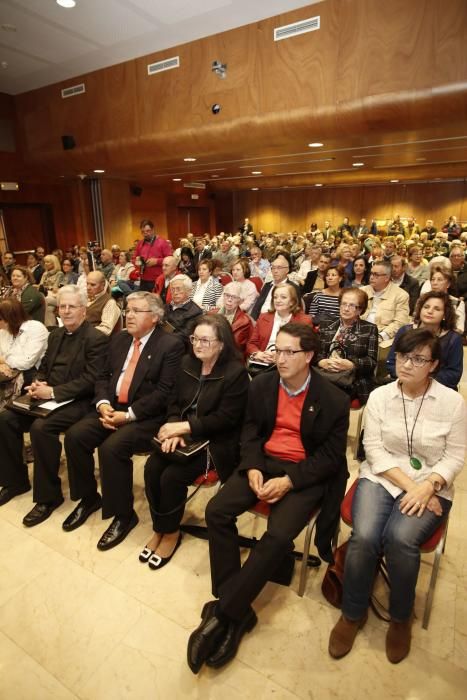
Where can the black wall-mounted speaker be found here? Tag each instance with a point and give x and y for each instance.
(68, 142)
(136, 190)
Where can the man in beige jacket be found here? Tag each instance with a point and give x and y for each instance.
(388, 304)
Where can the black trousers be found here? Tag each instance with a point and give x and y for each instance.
(116, 449)
(146, 285)
(237, 586)
(46, 448)
(167, 484)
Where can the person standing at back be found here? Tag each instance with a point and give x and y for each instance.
(151, 250)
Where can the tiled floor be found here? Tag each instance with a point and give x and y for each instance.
(79, 623)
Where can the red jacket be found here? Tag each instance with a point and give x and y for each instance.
(159, 286)
(242, 327)
(262, 331)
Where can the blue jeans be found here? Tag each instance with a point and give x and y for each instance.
(380, 528)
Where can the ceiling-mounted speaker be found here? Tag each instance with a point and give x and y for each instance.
(68, 143)
(136, 190)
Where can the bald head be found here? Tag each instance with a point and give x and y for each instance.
(169, 266)
(95, 283)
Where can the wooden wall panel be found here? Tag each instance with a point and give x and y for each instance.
(286, 210)
(116, 212)
(152, 204)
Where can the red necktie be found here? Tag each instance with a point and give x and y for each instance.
(129, 372)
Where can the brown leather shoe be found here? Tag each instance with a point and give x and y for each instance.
(398, 640)
(343, 636)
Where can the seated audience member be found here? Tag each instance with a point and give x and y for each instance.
(417, 267)
(169, 270)
(348, 343)
(240, 322)
(285, 308)
(8, 261)
(102, 311)
(325, 304)
(388, 305)
(68, 372)
(259, 266)
(202, 252)
(430, 229)
(312, 254)
(314, 281)
(22, 346)
(280, 268)
(187, 265)
(181, 311)
(208, 403)
(293, 448)
(23, 289)
(415, 436)
(121, 281)
(434, 312)
(389, 248)
(131, 398)
(459, 271)
(207, 290)
(402, 279)
(249, 293)
(107, 266)
(226, 255)
(69, 275)
(344, 260)
(441, 280)
(360, 275)
(50, 282)
(35, 268)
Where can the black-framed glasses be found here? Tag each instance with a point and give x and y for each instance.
(287, 352)
(415, 360)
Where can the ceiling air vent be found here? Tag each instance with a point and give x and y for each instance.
(297, 28)
(73, 90)
(166, 64)
(195, 185)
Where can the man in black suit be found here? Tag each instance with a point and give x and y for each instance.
(403, 280)
(201, 252)
(68, 372)
(181, 312)
(281, 265)
(293, 458)
(131, 399)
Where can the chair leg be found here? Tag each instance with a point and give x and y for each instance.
(359, 430)
(306, 552)
(434, 575)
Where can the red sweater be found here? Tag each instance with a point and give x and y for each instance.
(285, 441)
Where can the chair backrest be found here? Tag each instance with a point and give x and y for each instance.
(258, 282)
(225, 278)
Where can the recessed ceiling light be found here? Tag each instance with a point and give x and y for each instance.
(255, 188)
(316, 144)
(99, 171)
(66, 3)
(256, 172)
(319, 184)
(177, 179)
(214, 175)
(189, 160)
(393, 180)
(358, 165)
(420, 159)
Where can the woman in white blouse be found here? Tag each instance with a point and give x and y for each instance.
(22, 346)
(415, 438)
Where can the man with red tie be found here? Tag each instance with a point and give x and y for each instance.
(131, 399)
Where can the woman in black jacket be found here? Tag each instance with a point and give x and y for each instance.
(208, 403)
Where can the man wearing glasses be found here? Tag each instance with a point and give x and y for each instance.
(280, 267)
(292, 459)
(388, 304)
(130, 404)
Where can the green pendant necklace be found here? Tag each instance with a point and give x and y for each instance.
(414, 462)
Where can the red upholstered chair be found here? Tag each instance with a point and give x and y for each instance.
(436, 543)
(225, 278)
(258, 282)
(263, 509)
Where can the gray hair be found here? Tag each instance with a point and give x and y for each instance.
(153, 301)
(187, 283)
(73, 289)
(385, 264)
(234, 288)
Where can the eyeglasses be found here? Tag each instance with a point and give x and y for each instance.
(279, 267)
(347, 305)
(204, 342)
(415, 360)
(379, 274)
(284, 351)
(231, 296)
(138, 311)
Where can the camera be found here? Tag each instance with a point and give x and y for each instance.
(215, 109)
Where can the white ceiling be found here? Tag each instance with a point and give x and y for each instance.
(51, 44)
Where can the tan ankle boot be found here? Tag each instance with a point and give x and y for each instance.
(343, 636)
(398, 640)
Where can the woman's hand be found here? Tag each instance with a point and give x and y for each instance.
(171, 430)
(6, 369)
(255, 481)
(340, 363)
(265, 356)
(416, 499)
(434, 506)
(171, 444)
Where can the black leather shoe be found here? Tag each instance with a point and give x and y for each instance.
(156, 562)
(229, 645)
(9, 492)
(80, 514)
(206, 638)
(117, 531)
(40, 512)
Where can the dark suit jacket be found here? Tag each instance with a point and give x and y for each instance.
(256, 310)
(84, 368)
(323, 429)
(411, 286)
(154, 375)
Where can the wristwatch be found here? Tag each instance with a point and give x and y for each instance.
(52, 394)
